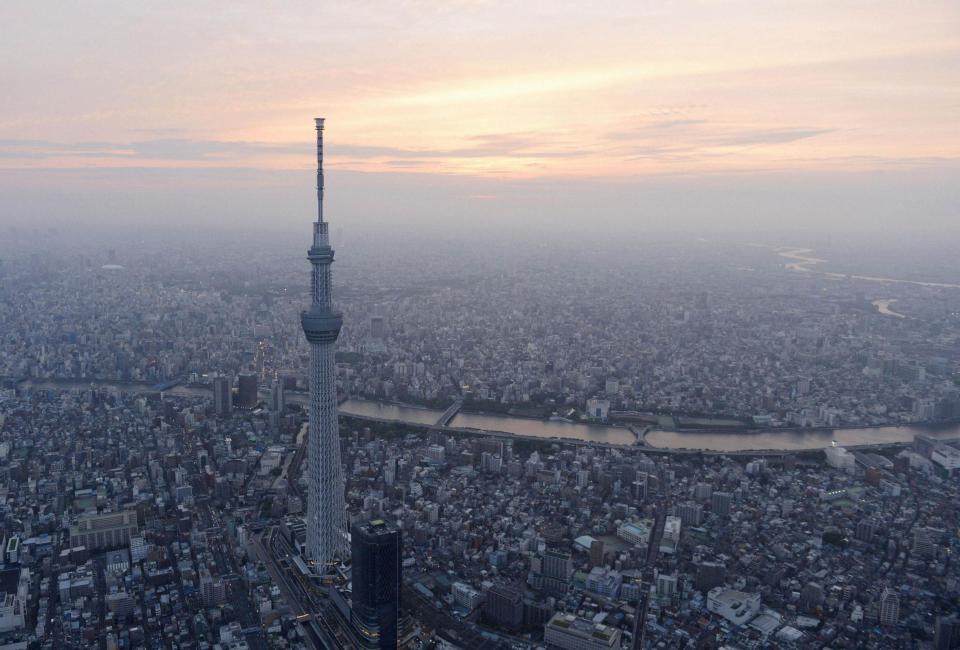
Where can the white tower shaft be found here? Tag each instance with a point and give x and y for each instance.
(326, 508)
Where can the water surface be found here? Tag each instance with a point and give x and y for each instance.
(388, 411)
(544, 428)
(796, 439)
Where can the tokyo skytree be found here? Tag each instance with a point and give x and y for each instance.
(326, 511)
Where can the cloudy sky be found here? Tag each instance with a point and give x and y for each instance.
(453, 109)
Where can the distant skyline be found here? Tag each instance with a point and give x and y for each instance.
(490, 103)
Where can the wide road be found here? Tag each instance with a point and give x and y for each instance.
(464, 635)
(318, 633)
(228, 569)
(646, 583)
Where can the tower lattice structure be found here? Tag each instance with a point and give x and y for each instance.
(326, 510)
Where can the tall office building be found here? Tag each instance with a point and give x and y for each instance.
(503, 607)
(247, 396)
(378, 329)
(278, 397)
(326, 511)
(375, 611)
(946, 633)
(222, 395)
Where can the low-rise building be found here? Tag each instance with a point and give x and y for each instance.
(634, 532)
(571, 633)
(104, 531)
(466, 596)
(736, 606)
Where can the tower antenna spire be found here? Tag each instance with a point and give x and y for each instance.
(319, 122)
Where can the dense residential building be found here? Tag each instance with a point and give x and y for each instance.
(604, 582)
(889, 607)
(720, 503)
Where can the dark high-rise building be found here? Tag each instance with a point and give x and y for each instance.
(596, 553)
(247, 396)
(536, 612)
(377, 328)
(710, 575)
(222, 395)
(946, 633)
(503, 607)
(278, 398)
(376, 551)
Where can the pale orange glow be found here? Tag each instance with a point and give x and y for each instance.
(618, 90)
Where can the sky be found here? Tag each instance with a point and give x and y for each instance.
(645, 114)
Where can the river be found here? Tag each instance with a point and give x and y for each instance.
(770, 440)
(883, 306)
(797, 439)
(803, 261)
(544, 428)
(491, 422)
(388, 411)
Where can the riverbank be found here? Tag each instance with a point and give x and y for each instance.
(883, 307)
(800, 439)
(769, 441)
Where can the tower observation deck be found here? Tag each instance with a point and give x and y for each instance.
(326, 510)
